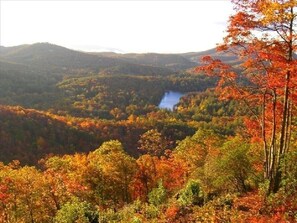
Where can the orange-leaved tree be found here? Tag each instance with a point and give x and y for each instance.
(262, 34)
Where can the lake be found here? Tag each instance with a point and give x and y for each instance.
(170, 99)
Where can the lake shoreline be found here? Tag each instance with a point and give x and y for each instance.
(170, 99)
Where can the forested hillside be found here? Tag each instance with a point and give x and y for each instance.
(50, 77)
(82, 138)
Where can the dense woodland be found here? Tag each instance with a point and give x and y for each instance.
(82, 139)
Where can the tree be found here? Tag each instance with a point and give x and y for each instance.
(158, 195)
(191, 194)
(193, 150)
(76, 211)
(151, 170)
(111, 172)
(24, 196)
(146, 176)
(234, 166)
(262, 34)
(151, 142)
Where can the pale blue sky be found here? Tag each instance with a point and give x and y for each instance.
(125, 26)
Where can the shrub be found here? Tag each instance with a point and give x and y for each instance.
(230, 169)
(172, 213)
(191, 194)
(158, 195)
(76, 212)
(151, 211)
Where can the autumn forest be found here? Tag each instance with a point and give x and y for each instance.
(83, 140)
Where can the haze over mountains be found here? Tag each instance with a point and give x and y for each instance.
(49, 55)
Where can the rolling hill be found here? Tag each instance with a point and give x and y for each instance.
(55, 58)
(50, 57)
(36, 76)
(174, 62)
(223, 56)
(28, 135)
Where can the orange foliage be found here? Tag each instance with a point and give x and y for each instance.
(266, 79)
(172, 213)
(151, 169)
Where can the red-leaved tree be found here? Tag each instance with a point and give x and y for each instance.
(262, 34)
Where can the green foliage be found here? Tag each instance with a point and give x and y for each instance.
(24, 195)
(206, 105)
(235, 163)
(116, 170)
(86, 85)
(230, 168)
(76, 212)
(118, 96)
(219, 209)
(191, 194)
(264, 187)
(286, 198)
(158, 195)
(110, 215)
(289, 170)
(151, 211)
(194, 149)
(136, 220)
(128, 213)
(211, 112)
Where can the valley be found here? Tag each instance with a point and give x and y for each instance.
(107, 137)
(148, 111)
(115, 96)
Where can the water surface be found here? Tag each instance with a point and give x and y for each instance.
(170, 99)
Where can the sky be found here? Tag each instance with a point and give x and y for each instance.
(122, 26)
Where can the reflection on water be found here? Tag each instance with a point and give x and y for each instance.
(170, 99)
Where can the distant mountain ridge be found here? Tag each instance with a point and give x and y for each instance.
(175, 62)
(46, 55)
